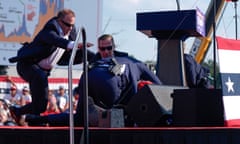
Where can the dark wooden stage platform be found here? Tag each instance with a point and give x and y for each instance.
(169, 135)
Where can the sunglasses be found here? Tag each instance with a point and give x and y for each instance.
(67, 24)
(106, 48)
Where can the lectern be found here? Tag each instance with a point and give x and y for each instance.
(171, 28)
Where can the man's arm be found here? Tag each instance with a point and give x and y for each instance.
(78, 58)
(147, 74)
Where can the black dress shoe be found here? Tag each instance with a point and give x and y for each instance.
(35, 120)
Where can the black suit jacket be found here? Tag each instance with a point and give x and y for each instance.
(45, 43)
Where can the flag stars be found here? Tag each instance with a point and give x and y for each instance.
(229, 84)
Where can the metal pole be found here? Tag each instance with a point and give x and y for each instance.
(214, 44)
(178, 4)
(85, 92)
(71, 119)
(236, 27)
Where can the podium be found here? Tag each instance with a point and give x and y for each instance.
(171, 28)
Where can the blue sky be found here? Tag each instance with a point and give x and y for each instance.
(119, 19)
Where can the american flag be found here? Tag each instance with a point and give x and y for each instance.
(229, 58)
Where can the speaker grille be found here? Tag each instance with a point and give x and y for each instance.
(150, 104)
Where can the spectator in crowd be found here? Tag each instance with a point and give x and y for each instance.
(52, 107)
(62, 99)
(5, 117)
(75, 98)
(14, 97)
(26, 97)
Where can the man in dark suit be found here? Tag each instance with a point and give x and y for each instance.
(51, 46)
(196, 74)
(113, 77)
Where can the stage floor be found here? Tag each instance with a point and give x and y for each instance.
(146, 135)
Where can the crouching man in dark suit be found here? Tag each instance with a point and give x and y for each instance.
(112, 79)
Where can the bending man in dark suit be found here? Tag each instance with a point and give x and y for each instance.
(112, 80)
(51, 46)
(196, 74)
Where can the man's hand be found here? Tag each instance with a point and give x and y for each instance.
(80, 45)
(89, 44)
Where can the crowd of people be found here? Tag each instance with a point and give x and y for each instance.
(58, 102)
(113, 76)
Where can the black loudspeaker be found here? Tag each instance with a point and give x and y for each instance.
(198, 107)
(150, 105)
(112, 118)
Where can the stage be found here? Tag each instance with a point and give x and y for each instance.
(146, 135)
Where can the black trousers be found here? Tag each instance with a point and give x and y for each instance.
(38, 84)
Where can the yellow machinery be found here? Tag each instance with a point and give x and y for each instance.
(202, 44)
